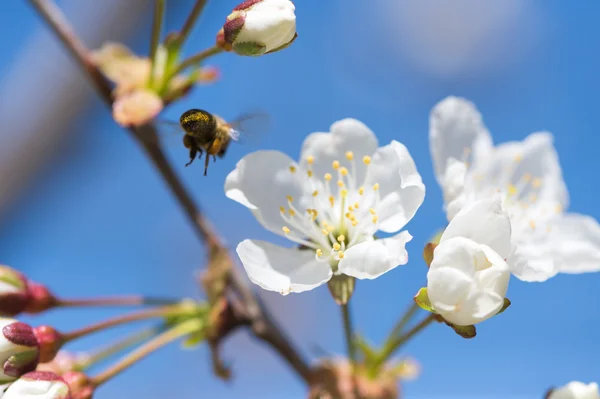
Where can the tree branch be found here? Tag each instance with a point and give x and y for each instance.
(263, 326)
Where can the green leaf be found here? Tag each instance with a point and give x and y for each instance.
(369, 353)
(505, 306)
(422, 299)
(464, 331)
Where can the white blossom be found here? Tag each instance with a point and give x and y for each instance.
(468, 277)
(331, 203)
(38, 385)
(257, 27)
(576, 390)
(19, 349)
(545, 239)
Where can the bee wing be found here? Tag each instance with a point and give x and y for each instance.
(169, 130)
(249, 127)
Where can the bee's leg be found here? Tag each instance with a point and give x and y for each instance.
(214, 158)
(206, 161)
(193, 152)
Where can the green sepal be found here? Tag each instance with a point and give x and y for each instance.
(194, 339)
(369, 353)
(252, 49)
(341, 288)
(422, 299)
(505, 306)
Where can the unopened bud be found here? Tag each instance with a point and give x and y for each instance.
(257, 27)
(19, 349)
(80, 384)
(49, 340)
(38, 385)
(40, 298)
(14, 295)
(137, 107)
(341, 288)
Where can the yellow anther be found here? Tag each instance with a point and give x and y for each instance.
(325, 232)
(532, 224)
(335, 165)
(319, 252)
(349, 155)
(337, 247)
(348, 215)
(558, 208)
(281, 209)
(354, 222)
(518, 158)
(375, 219)
(367, 160)
(356, 205)
(309, 173)
(310, 159)
(330, 228)
(350, 209)
(361, 190)
(341, 238)
(527, 177)
(344, 193)
(331, 200)
(292, 212)
(537, 182)
(286, 229)
(372, 211)
(315, 193)
(328, 176)
(512, 189)
(293, 169)
(375, 186)
(289, 198)
(340, 183)
(340, 255)
(344, 171)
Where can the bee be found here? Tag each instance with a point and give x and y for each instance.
(209, 133)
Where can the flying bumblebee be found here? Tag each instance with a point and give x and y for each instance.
(209, 133)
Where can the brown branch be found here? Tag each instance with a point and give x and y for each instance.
(262, 325)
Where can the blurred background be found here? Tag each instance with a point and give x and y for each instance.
(82, 209)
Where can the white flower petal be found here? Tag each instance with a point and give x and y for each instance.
(457, 131)
(485, 222)
(532, 158)
(576, 390)
(401, 187)
(261, 181)
(480, 306)
(345, 135)
(38, 385)
(371, 259)
(532, 262)
(575, 243)
(280, 269)
(447, 287)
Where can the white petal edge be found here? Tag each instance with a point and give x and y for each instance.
(484, 222)
(576, 244)
(456, 126)
(371, 259)
(261, 181)
(401, 186)
(280, 269)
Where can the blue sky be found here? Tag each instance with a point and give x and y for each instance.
(98, 220)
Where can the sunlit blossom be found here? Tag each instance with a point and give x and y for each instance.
(330, 203)
(546, 240)
(576, 390)
(468, 277)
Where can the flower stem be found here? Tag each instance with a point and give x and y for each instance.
(196, 59)
(157, 21)
(396, 342)
(158, 342)
(190, 21)
(128, 318)
(119, 346)
(406, 318)
(349, 333)
(131, 300)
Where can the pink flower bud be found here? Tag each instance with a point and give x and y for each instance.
(40, 298)
(136, 108)
(80, 384)
(38, 385)
(257, 27)
(19, 349)
(49, 342)
(14, 294)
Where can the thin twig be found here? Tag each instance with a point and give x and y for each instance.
(157, 23)
(263, 326)
(190, 21)
(131, 300)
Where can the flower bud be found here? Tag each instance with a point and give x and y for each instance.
(40, 298)
(575, 390)
(14, 294)
(257, 27)
(80, 385)
(49, 341)
(19, 349)
(38, 385)
(136, 108)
